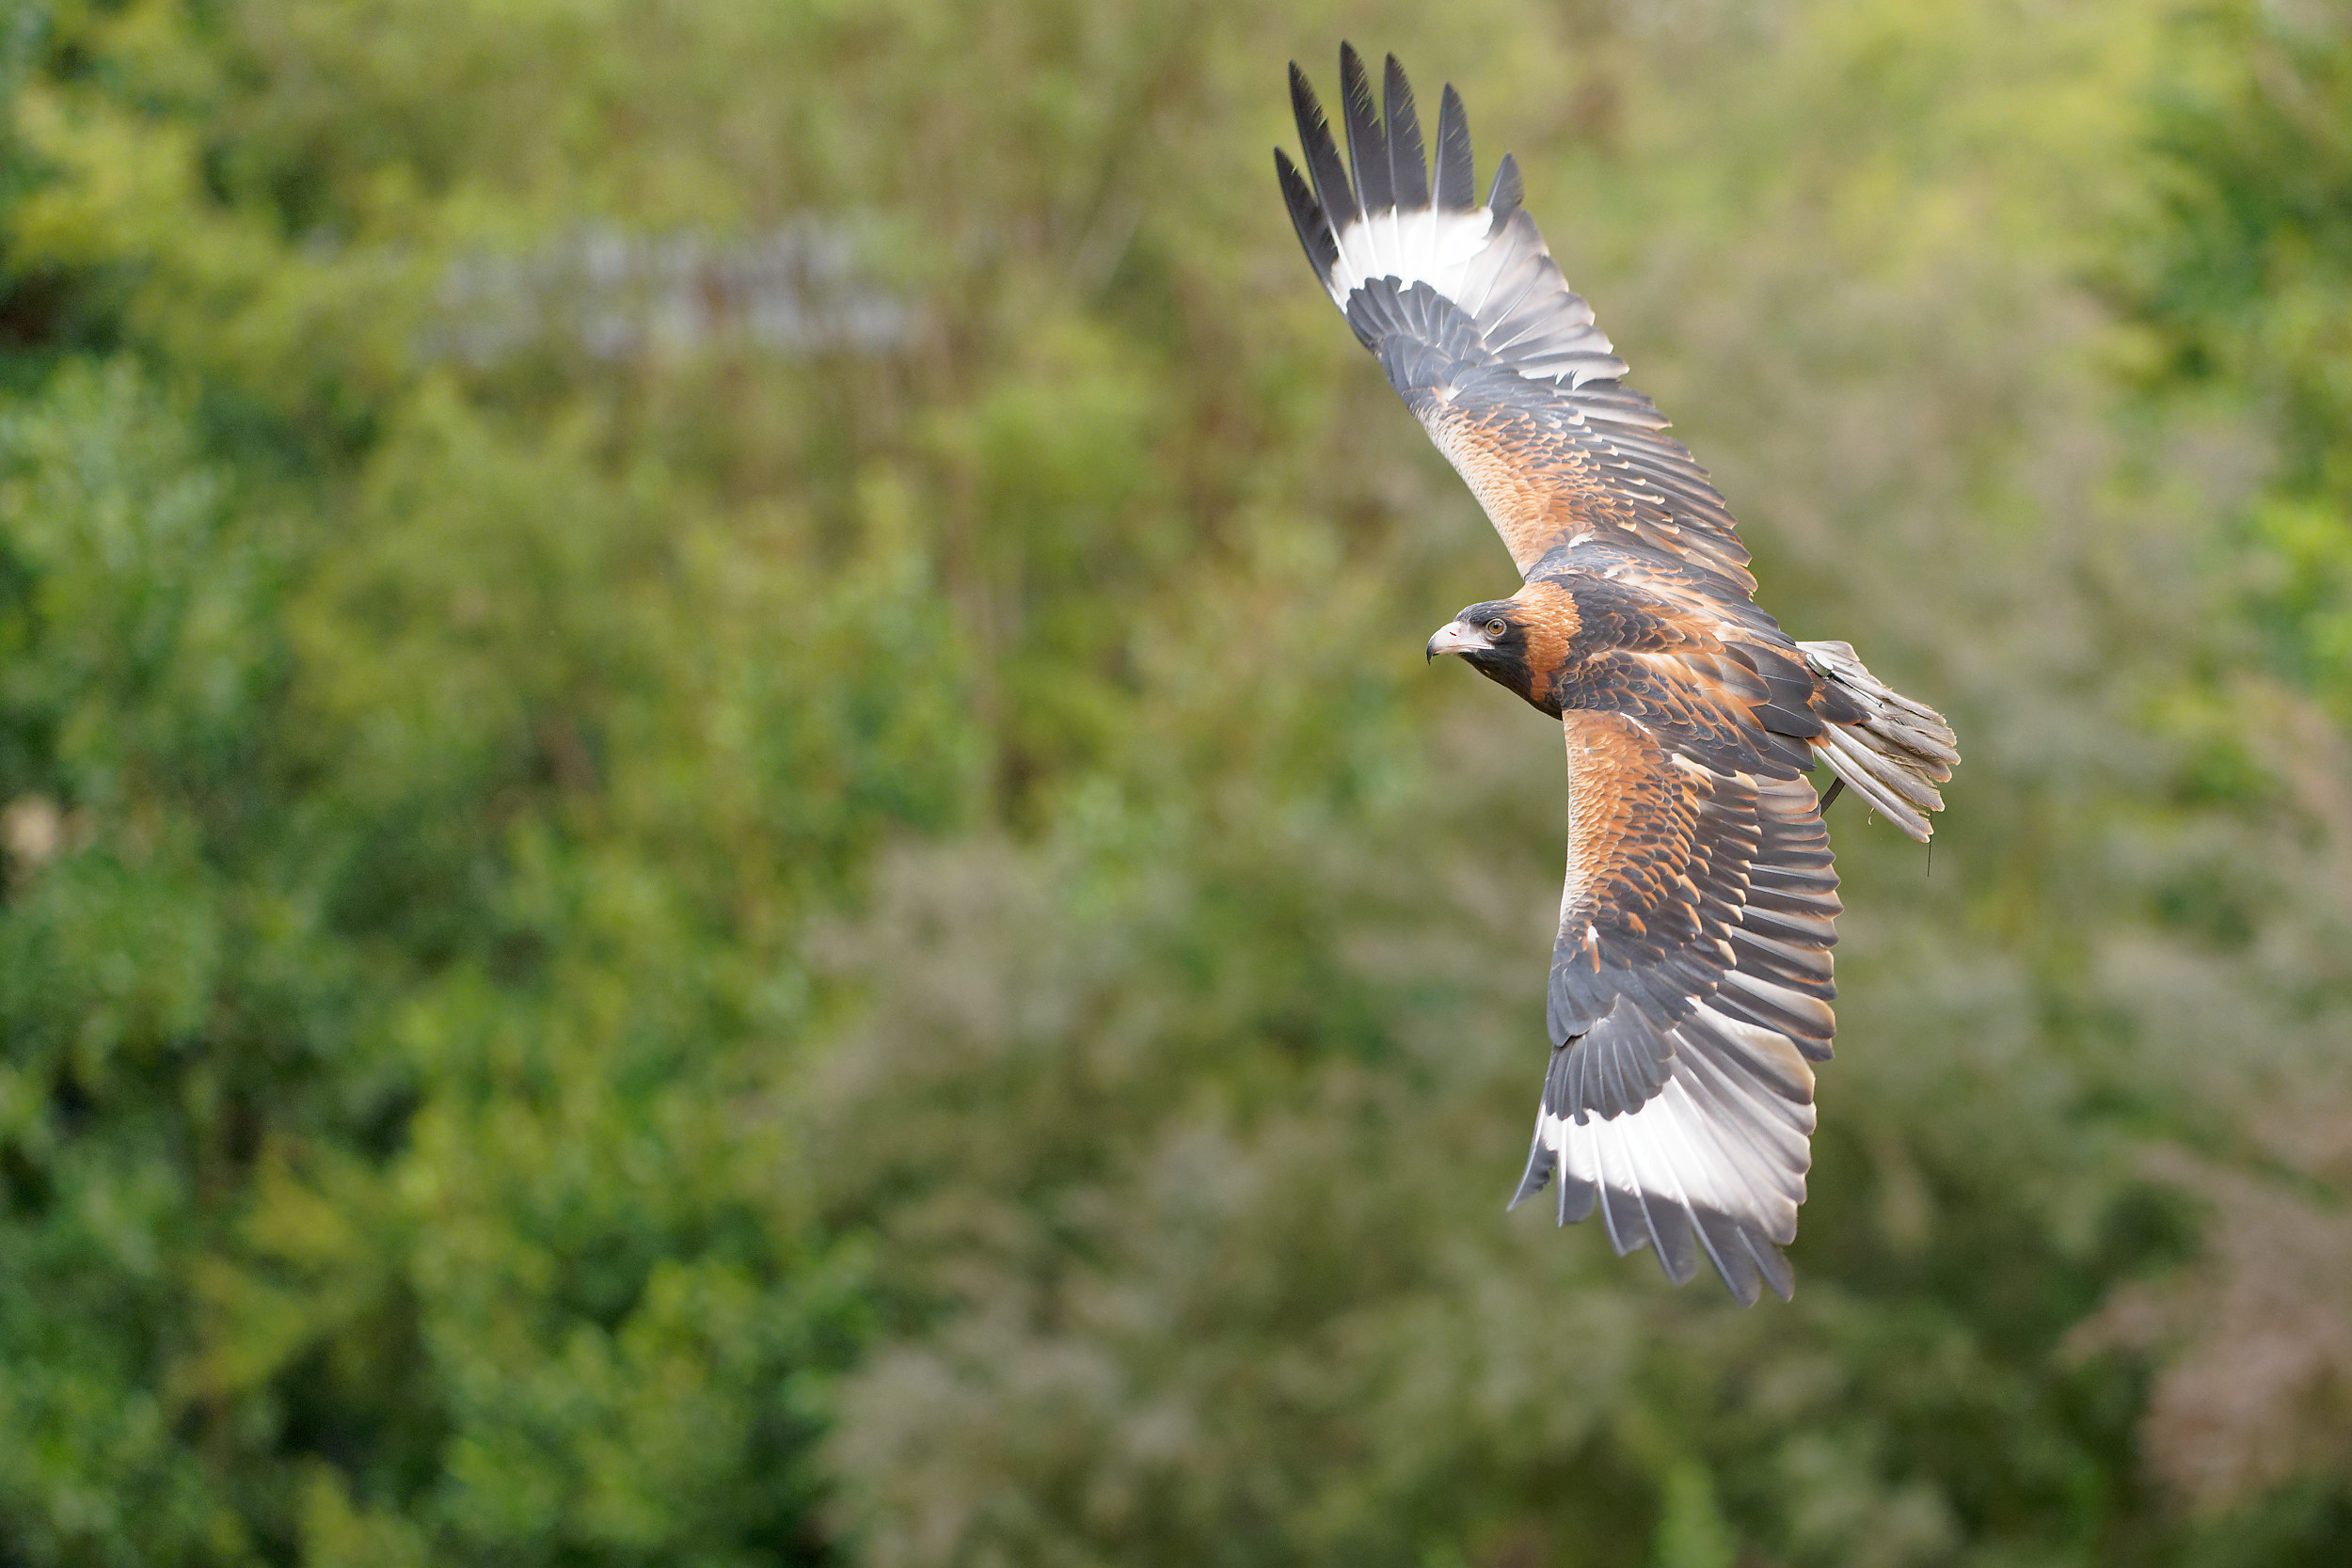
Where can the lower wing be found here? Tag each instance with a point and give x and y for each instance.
(1691, 987)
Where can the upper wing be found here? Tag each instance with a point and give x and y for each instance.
(1690, 985)
(1482, 336)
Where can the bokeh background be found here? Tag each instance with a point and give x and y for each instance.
(725, 842)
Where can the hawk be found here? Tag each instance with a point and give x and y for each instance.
(1691, 990)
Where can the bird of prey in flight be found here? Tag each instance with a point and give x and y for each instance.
(1691, 977)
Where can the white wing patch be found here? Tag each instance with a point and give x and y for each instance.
(1497, 271)
(1750, 1167)
(1430, 245)
(1717, 1158)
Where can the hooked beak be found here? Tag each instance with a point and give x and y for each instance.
(1456, 638)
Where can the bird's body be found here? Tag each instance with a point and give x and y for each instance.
(1691, 976)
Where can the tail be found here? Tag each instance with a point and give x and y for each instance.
(1895, 755)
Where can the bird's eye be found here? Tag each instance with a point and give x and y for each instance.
(1497, 626)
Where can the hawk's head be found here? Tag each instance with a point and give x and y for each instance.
(1493, 638)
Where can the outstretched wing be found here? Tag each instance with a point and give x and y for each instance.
(1690, 987)
(1482, 338)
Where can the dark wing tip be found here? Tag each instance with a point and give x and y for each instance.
(1408, 167)
(1774, 1268)
(1508, 191)
(1367, 142)
(1314, 230)
(1320, 153)
(1457, 176)
(1538, 1172)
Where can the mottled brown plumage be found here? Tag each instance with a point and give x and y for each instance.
(1691, 976)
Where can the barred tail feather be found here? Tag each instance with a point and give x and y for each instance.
(1895, 755)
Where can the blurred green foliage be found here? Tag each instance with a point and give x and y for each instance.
(721, 846)
(2244, 275)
